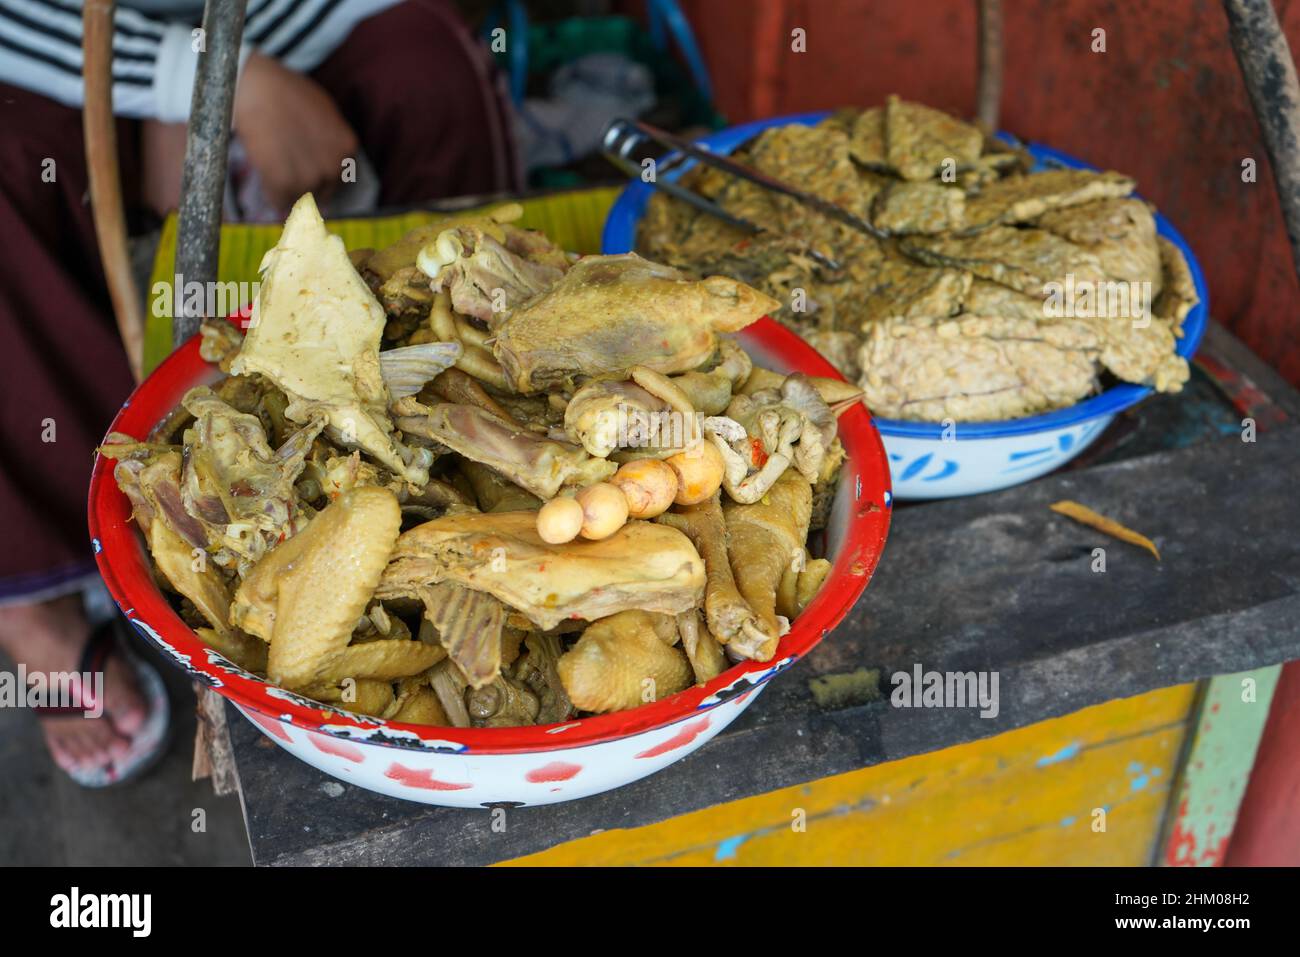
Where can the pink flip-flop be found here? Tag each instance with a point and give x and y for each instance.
(149, 742)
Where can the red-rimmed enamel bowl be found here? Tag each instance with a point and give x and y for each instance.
(473, 767)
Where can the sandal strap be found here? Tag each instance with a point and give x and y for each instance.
(100, 645)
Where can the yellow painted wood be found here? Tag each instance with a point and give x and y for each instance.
(1025, 797)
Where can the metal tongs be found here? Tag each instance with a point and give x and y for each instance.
(623, 136)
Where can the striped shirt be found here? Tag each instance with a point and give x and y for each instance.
(156, 46)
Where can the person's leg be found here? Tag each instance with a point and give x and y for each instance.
(65, 376)
(423, 99)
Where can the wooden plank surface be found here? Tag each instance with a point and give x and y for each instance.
(993, 583)
(1086, 789)
(1229, 720)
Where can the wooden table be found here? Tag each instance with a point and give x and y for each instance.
(994, 583)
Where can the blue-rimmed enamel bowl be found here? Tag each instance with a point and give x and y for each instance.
(925, 459)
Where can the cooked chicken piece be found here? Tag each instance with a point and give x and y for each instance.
(450, 687)
(919, 139)
(402, 254)
(763, 539)
(610, 313)
(539, 670)
(811, 578)
(233, 482)
(728, 615)
(200, 582)
(531, 461)
(1019, 199)
(702, 650)
(384, 659)
(469, 624)
(827, 485)
(708, 392)
(764, 434)
(925, 207)
(506, 702)
(494, 492)
(372, 697)
(621, 662)
(1024, 259)
(235, 646)
(458, 386)
(489, 270)
(642, 565)
(407, 369)
(306, 595)
(150, 478)
(315, 333)
(422, 707)
(609, 414)
(219, 342)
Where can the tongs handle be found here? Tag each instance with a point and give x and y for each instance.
(623, 136)
(620, 139)
(729, 165)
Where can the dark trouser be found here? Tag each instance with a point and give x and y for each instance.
(410, 82)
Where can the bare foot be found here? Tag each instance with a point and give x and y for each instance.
(50, 637)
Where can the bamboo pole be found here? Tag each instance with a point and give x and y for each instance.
(988, 95)
(207, 149)
(1269, 71)
(100, 132)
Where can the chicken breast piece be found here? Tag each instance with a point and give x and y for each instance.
(315, 333)
(643, 565)
(610, 313)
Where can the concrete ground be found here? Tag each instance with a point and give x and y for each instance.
(46, 819)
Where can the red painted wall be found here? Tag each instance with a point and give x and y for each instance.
(1165, 103)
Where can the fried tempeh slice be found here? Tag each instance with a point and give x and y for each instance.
(762, 541)
(1024, 259)
(919, 139)
(1018, 199)
(621, 662)
(920, 208)
(642, 565)
(728, 614)
(307, 594)
(1178, 294)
